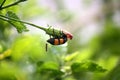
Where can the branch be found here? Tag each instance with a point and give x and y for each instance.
(50, 31)
(2, 4)
(13, 4)
(6, 19)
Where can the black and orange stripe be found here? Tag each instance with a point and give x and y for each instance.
(57, 41)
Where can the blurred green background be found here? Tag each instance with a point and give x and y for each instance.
(95, 25)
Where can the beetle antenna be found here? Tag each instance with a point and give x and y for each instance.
(49, 26)
(61, 32)
(53, 31)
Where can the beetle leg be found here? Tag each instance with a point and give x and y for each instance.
(46, 47)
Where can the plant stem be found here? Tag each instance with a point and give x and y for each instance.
(2, 4)
(40, 27)
(10, 5)
(3, 19)
(50, 31)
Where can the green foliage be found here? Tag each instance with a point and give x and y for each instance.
(18, 25)
(50, 31)
(23, 56)
(114, 74)
(82, 70)
(86, 66)
(25, 52)
(50, 69)
(110, 38)
(13, 19)
(9, 71)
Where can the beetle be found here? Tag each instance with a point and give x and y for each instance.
(58, 40)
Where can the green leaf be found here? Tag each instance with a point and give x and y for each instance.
(48, 65)
(18, 25)
(86, 66)
(28, 47)
(53, 32)
(71, 56)
(50, 69)
(8, 71)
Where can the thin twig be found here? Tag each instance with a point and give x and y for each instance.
(10, 5)
(47, 30)
(2, 4)
(40, 27)
(3, 19)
